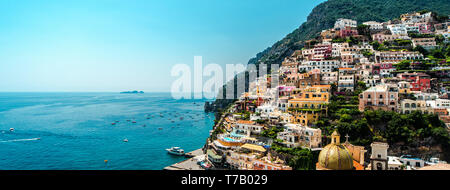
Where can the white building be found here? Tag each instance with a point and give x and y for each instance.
(329, 77)
(295, 135)
(346, 79)
(249, 127)
(412, 162)
(442, 103)
(265, 110)
(426, 96)
(373, 25)
(323, 65)
(372, 82)
(394, 163)
(412, 28)
(398, 29)
(447, 37)
(342, 23)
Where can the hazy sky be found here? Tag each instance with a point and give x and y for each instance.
(117, 45)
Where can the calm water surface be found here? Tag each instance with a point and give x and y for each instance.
(75, 131)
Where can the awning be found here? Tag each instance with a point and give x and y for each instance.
(253, 147)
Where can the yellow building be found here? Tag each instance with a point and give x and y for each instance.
(310, 105)
(404, 87)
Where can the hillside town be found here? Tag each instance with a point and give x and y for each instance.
(321, 114)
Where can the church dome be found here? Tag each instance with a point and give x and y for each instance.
(335, 156)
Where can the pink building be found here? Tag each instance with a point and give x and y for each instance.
(322, 51)
(424, 28)
(380, 97)
(347, 32)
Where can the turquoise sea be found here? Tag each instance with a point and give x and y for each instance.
(74, 131)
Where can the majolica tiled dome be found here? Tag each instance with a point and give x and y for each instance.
(335, 156)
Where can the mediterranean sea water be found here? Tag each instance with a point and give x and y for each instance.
(74, 131)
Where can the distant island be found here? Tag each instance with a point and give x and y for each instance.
(132, 92)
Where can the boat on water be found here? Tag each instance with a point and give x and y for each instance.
(132, 92)
(125, 140)
(133, 122)
(11, 129)
(175, 151)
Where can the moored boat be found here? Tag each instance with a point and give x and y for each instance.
(175, 151)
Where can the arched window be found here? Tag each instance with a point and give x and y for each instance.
(379, 166)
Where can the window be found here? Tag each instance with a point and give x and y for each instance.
(379, 166)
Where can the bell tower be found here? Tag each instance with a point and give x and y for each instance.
(378, 158)
(335, 138)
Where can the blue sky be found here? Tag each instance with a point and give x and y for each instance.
(117, 45)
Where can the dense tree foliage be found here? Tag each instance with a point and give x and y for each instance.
(271, 132)
(297, 158)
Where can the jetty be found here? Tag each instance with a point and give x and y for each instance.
(189, 164)
(194, 153)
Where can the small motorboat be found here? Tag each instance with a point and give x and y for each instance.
(11, 129)
(113, 123)
(160, 128)
(133, 122)
(175, 151)
(125, 140)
